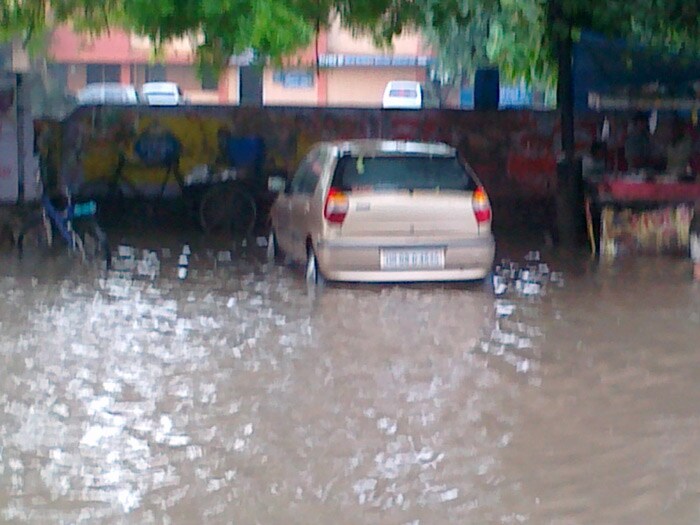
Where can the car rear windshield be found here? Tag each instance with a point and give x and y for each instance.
(402, 172)
(403, 93)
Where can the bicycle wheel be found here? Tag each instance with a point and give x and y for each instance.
(94, 242)
(231, 210)
(35, 236)
(214, 213)
(244, 213)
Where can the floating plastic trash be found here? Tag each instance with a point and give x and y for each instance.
(530, 288)
(223, 256)
(504, 309)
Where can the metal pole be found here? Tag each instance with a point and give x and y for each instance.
(20, 112)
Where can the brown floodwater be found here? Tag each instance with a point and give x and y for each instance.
(239, 396)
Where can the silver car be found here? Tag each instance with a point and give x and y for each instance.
(383, 211)
(107, 93)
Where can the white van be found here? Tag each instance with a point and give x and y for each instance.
(403, 94)
(162, 94)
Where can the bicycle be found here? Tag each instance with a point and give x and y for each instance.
(121, 198)
(228, 198)
(73, 222)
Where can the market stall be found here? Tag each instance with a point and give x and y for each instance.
(645, 197)
(628, 214)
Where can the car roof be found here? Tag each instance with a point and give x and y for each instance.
(94, 86)
(385, 146)
(403, 83)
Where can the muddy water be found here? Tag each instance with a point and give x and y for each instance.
(236, 396)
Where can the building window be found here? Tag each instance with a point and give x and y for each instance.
(103, 73)
(155, 73)
(298, 78)
(210, 81)
(58, 75)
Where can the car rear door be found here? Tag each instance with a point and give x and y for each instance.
(303, 191)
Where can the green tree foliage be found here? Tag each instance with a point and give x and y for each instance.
(508, 34)
(516, 35)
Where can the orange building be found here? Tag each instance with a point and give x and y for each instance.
(350, 71)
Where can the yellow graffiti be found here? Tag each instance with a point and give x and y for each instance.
(197, 137)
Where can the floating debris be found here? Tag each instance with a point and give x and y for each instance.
(533, 256)
(149, 265)
(500, 285)
(529, 279)
(182, 266)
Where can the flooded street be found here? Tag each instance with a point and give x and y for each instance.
(237, 396)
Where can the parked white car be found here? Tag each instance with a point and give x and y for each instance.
(107, 93)
(162, 94)
(403, 94)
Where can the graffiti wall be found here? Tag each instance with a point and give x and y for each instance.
(514, 152)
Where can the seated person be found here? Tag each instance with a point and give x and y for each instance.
(679, 150)
(640, 151)
(594, 163)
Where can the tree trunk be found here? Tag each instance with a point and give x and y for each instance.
(569, 208)
(565, 94)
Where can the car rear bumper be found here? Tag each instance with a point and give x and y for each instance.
(359, 260)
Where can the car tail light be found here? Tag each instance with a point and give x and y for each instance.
(337, 205)
(481, 205)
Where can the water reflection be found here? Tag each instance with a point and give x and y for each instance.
(236, 394)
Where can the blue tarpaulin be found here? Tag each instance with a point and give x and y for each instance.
(606, 66)
(510, 97)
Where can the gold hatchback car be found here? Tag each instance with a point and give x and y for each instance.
(383, 211)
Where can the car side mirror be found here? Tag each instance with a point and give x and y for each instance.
(277, 184)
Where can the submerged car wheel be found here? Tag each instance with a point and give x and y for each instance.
(94, 242)
(314, 277)
(274, 254)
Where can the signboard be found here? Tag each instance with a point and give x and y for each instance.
(598, 101)
(337, 60)
(9, 169)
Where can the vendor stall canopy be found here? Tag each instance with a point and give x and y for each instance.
(613, 73)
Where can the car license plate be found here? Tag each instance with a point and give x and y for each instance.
(424, 259)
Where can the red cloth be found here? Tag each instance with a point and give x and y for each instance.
(650, 191)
